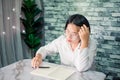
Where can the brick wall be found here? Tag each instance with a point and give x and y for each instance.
(104, 18)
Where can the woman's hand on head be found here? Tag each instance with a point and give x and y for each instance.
(36, 61)
(84, 36)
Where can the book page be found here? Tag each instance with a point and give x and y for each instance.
(56, 72)
(61, 73)
(44, 71)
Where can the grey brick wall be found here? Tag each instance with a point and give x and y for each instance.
(104, 18)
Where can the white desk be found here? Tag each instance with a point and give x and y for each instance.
(21, 71)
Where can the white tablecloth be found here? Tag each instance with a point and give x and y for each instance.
(21, 71)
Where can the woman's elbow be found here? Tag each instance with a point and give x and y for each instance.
(83, 68)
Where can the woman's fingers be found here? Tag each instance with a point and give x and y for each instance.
(82, 29)
(80, 32)
(84, 33)
(85, 28)
(32, 62)
(35, 62)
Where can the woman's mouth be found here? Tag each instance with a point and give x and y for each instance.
(69, 40)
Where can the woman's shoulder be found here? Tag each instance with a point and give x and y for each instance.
(60, 39)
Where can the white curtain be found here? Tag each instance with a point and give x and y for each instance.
(12, 47)
(10, 39)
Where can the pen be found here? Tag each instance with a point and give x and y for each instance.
(44, 67)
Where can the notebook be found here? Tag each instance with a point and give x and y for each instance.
(55, 72)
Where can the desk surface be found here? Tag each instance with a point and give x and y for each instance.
(21, 71)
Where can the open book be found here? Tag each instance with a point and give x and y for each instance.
(55, 72)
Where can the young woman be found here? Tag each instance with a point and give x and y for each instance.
(75, 47)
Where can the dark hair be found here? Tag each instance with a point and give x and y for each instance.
(78, 20)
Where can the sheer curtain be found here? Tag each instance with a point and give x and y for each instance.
(10, 39)
(12, 48)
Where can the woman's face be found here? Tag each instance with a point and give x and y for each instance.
(71, 33)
